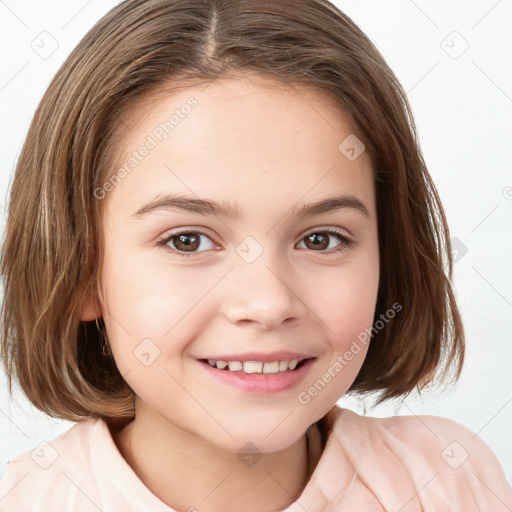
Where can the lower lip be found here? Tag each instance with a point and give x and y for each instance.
(260, 383)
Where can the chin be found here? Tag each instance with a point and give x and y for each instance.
(261, 439)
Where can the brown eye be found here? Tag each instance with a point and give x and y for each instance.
(322, 241)
(186, 243)
(317, 241)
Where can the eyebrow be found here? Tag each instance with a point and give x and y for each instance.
(229, 210)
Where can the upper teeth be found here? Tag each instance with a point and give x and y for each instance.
(255, 366)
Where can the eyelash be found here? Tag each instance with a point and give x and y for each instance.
(345, 244)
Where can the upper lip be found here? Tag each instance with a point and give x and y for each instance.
(281, 355)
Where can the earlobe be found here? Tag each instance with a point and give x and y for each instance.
(90, 310)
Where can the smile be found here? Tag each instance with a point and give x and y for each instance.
(258, 377)
(256, 366)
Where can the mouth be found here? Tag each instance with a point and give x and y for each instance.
(257, 377)
(257, 367)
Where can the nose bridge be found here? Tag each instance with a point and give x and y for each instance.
(259, 290)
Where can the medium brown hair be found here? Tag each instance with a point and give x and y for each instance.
(53, 249)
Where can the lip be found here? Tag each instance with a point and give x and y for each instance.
(259, 383)
(268, 357)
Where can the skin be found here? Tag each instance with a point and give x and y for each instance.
(271, 149)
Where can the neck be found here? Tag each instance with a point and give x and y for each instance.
(188, 472)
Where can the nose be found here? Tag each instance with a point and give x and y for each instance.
(264, 295)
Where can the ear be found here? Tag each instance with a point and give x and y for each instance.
(89, 310)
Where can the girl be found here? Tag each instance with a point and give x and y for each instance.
(221, 223)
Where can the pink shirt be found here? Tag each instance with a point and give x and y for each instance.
(82, 470)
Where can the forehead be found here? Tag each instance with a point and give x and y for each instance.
(246, 140)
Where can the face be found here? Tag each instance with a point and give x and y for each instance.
(185, 282)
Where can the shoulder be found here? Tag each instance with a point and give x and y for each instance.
(444, 461)
(453, 444)
(50, 471)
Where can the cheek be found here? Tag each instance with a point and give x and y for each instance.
(348, 313)
(345, 300)
(150, 302)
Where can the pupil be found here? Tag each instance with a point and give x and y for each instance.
(322, 239)
(185, 241)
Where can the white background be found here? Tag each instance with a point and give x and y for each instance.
(462, 102)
